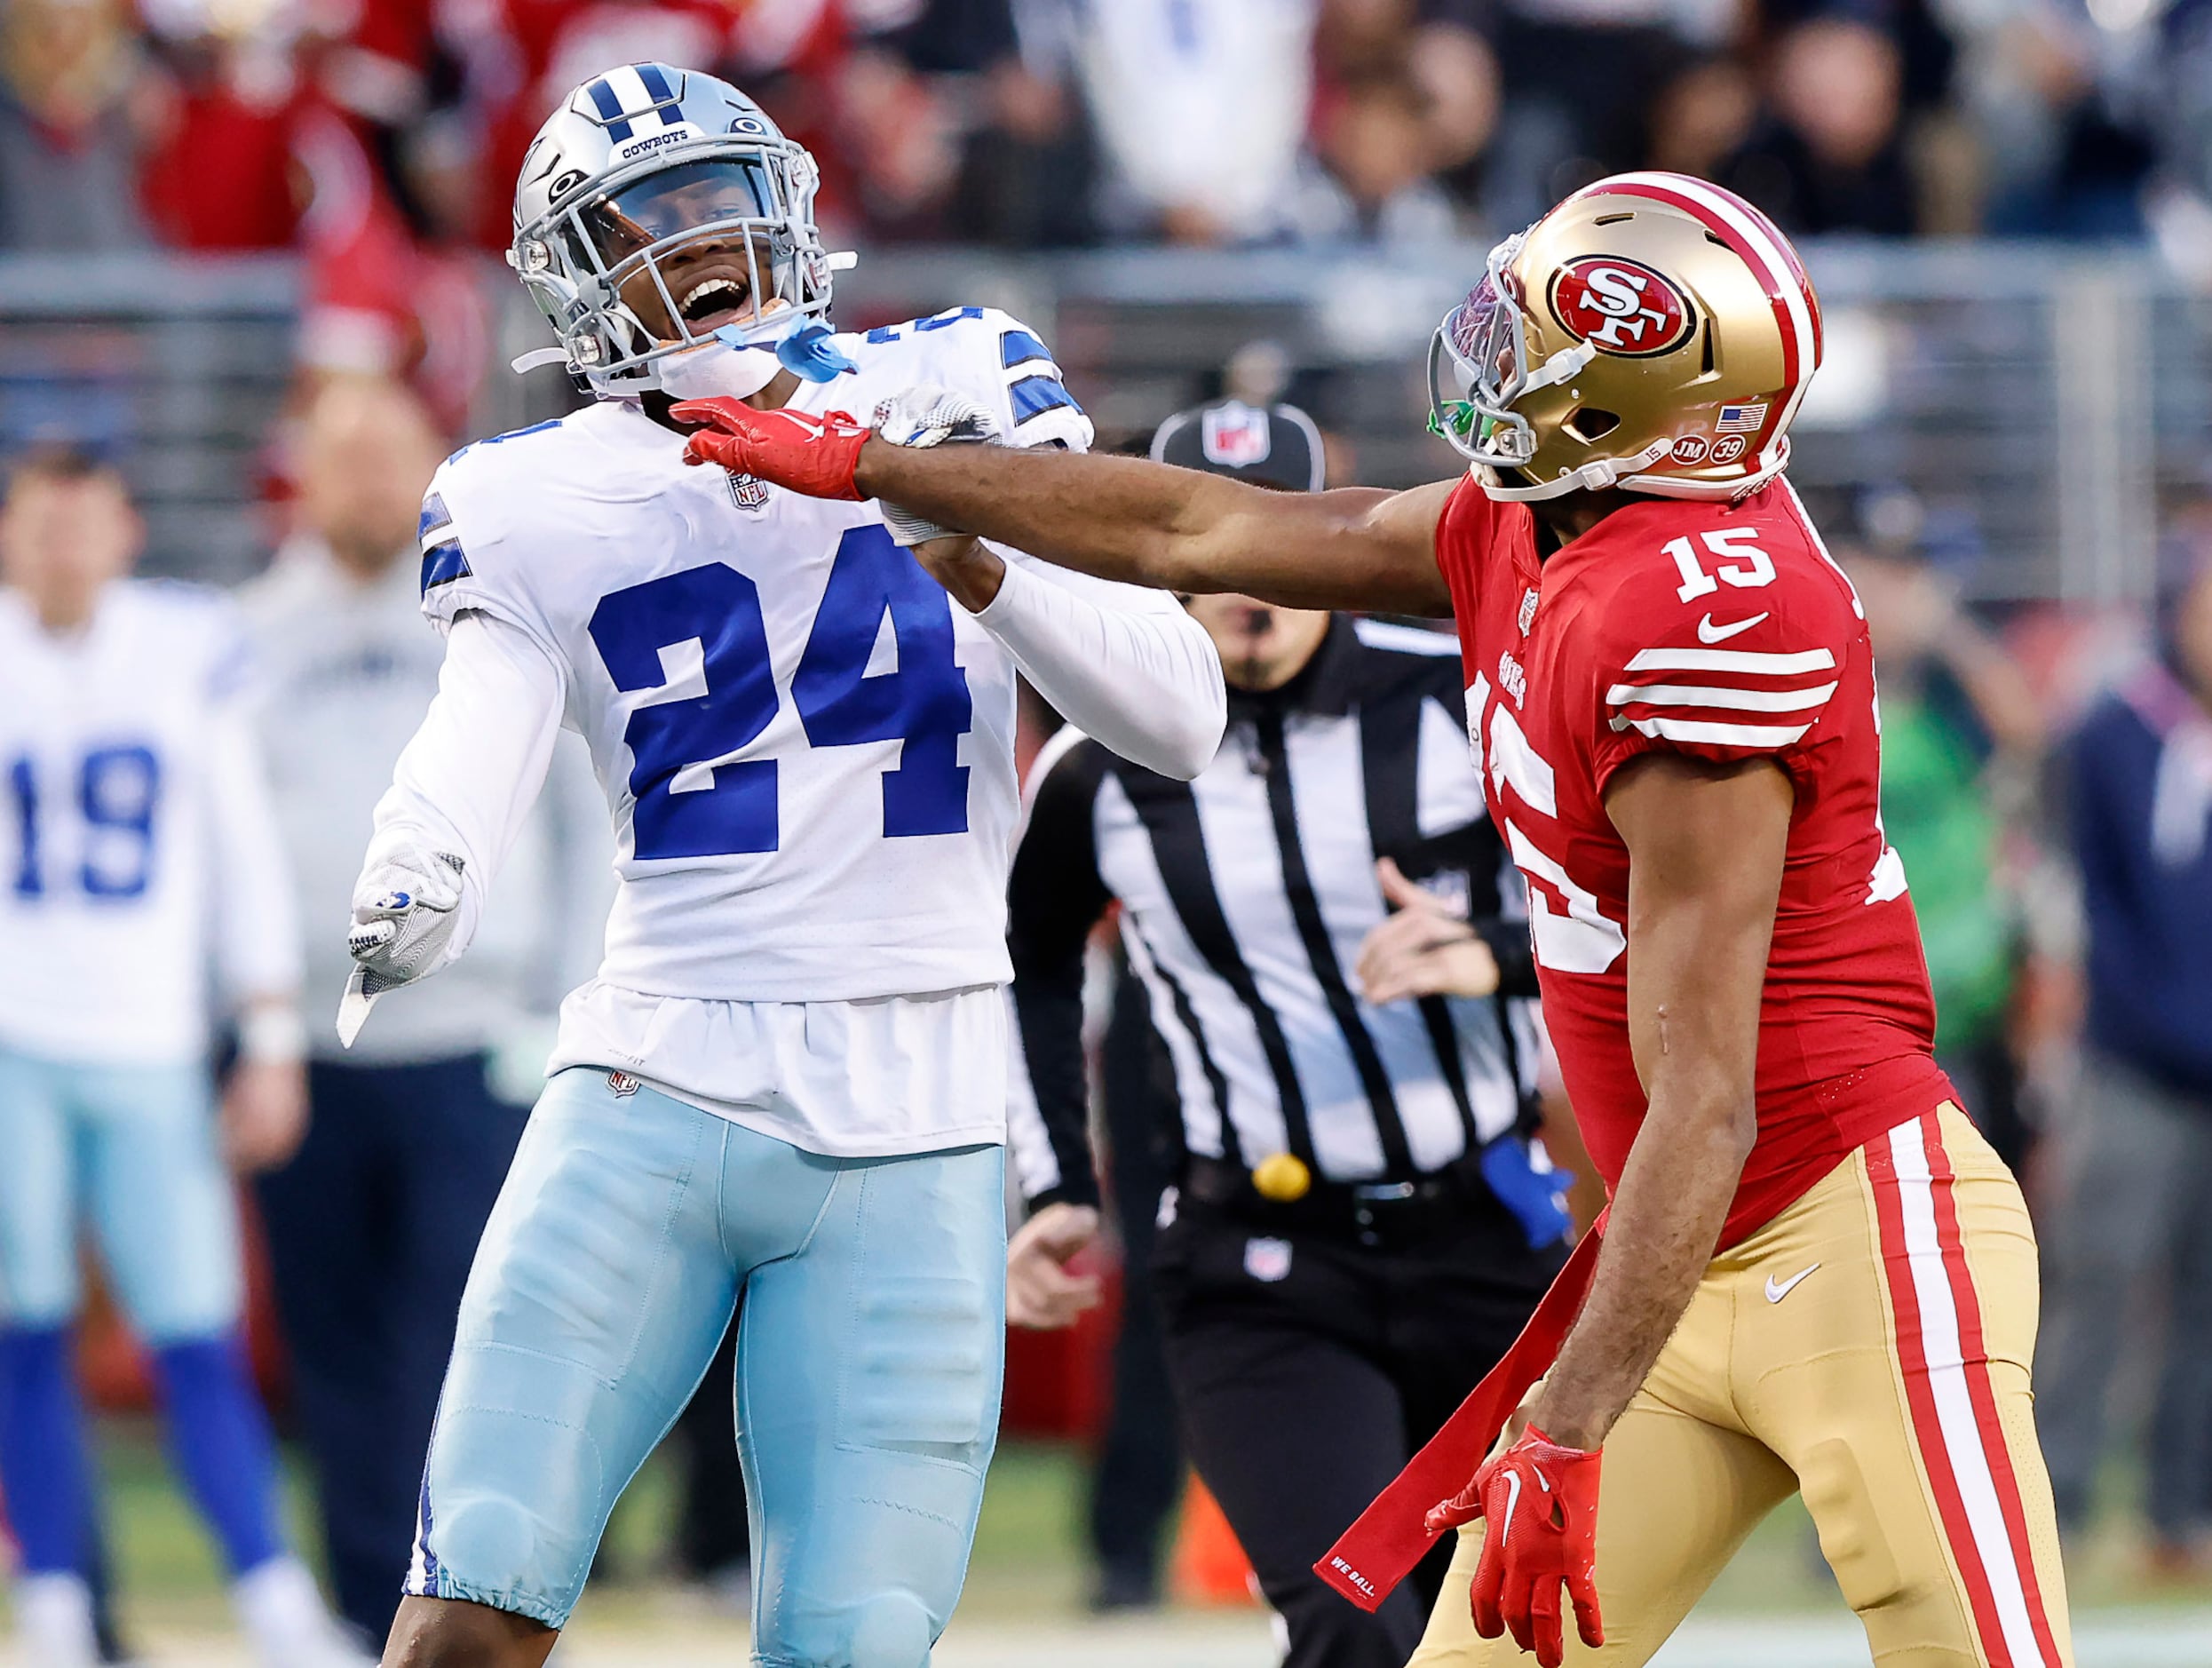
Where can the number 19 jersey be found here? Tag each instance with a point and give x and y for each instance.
(807, 750)
(1725, 633)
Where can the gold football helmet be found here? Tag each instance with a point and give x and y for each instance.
(1653, 332)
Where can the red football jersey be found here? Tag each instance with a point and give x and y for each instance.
(1725, 631)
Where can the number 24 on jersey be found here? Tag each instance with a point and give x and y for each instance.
(693, 799)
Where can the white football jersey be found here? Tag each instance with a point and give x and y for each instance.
(808, 749)
(138, 849)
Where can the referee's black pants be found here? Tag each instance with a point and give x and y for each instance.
(1308, 1367)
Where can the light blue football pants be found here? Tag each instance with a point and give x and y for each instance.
(133, 1148)
(871, 1303)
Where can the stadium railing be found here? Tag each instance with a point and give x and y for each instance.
(2045, 406)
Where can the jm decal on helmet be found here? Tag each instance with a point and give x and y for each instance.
(665, 228)
(1652, 333)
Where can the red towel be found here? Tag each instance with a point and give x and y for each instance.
(1375, 1554)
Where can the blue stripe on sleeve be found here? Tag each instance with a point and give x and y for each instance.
(442, 564)
(1034, 396)
(434, 516)
(1018, 347)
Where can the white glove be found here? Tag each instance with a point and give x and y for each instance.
(404, 908)
(929, 416)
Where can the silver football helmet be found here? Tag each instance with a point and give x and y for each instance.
(658, 210)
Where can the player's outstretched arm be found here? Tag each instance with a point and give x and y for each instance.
(1706, 844)
(462, 789)
(1118, 517)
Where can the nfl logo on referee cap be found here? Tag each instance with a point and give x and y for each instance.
(1235, 434)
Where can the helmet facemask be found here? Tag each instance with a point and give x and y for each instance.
(1479, 371)
(611, 253)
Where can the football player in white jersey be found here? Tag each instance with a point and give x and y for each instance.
(786, 1087)
(136, 848)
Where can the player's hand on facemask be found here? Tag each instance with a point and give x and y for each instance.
(1422, 949)
(797, 450)
(1040, 1291)
(1541, 1501)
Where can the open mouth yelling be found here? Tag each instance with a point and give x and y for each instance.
(715, 300)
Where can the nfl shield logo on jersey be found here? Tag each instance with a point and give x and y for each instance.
(622, 1085)
(749, 492)
(1235, 435)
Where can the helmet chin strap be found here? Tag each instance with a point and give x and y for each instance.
(723, 367)
(737, 363)
(1596, 476)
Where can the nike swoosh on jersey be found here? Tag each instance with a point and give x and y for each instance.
(1708, 632)
(1777, 1290)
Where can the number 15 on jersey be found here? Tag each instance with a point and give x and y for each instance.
(695, 798)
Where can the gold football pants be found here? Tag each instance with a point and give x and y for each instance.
(1869, 1347)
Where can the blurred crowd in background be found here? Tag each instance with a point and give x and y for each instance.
(378, 134)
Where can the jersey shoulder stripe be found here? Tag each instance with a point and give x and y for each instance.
(987, 354)
(443, 561)
(1723, 631)
(499, 498)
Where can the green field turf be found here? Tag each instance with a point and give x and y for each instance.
(1029, 1570)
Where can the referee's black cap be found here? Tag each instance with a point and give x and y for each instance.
(1274, 446)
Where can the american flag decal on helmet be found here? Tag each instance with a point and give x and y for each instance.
(1740, 419)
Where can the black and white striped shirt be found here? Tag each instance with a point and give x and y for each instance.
(1246, 895)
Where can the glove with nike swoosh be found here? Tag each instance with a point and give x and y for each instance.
(1542, 1502)
(797, 450)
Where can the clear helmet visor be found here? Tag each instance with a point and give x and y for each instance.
(1479, 367)
(691, 198)
(1476, 372)
(1486, 338)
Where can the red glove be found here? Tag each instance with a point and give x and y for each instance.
(1542, 1502)
(816, 455)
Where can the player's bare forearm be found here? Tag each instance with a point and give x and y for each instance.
(1667, 1215)
(1179, 529)
(1706, 846)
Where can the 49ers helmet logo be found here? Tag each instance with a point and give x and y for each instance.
(1620, 306)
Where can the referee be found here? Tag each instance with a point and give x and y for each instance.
(1362, 1218)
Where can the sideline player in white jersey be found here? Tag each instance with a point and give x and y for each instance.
(786, 1084)
(137, 846)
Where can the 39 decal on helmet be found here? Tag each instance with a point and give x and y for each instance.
(638, 175)
(1653, 332)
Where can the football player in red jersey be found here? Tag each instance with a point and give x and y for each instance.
(1815, 1275)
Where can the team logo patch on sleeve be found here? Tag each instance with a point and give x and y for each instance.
(1621, 306)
